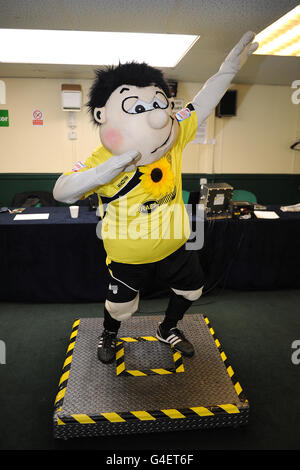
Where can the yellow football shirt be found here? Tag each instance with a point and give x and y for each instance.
(137, 227)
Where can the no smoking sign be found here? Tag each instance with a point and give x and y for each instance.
(37, 117)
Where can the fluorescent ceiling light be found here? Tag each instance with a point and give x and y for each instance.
(281, 37)
(28, 46)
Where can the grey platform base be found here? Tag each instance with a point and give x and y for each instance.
(150, 387)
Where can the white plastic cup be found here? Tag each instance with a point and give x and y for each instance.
(74, 211)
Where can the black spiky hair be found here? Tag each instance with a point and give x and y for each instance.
(131, 73)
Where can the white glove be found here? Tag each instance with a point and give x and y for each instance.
(215, 87)
(70, 188)
(239, 54)
(108, 170)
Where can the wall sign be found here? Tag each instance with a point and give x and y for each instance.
(4, 120)
(2, 92)
(37, 117)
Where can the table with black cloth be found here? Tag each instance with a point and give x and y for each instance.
(62, 260)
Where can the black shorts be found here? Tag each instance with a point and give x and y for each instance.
(181, 270)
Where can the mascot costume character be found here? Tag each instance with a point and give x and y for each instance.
(136, 173)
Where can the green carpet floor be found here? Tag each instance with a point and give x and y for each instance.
(256, 330)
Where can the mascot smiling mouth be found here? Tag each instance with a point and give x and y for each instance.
(165, 142)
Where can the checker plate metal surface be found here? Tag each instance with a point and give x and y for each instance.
(96, 401)
(148, 355)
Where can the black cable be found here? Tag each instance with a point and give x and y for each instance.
(210, 227)
(225, 274)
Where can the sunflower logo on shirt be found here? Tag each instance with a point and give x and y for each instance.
(157, 178)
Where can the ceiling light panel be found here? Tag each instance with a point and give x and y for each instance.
(282, 37)
(92, 48)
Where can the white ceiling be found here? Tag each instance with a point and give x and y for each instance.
(220, 23)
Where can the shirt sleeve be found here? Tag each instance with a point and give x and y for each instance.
(188, 122)
(91, 162)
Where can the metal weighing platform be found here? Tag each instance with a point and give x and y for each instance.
(150, 387)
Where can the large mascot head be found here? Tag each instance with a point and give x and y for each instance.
(131, 103)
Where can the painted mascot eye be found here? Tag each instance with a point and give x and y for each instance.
(160, 101)
(133, 105)
(129, 104)
(159, 104)
(139, 108)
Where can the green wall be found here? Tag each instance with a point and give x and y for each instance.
(268, 188)
(13, 183)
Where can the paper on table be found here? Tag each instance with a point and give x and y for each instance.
(293, 208)
(266, 215)
(31, 216)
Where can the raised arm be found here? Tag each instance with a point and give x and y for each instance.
(70, 188)
(215, 87)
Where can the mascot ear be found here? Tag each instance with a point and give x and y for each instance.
(99, 115)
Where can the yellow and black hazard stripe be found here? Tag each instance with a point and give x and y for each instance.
(120, 359)
(62, 386)
(228, 367)
(143, 415)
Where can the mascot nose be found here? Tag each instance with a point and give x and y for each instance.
(158, 118)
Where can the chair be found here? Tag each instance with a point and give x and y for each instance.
(243, 195)
(185, 196)
(34, 199)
